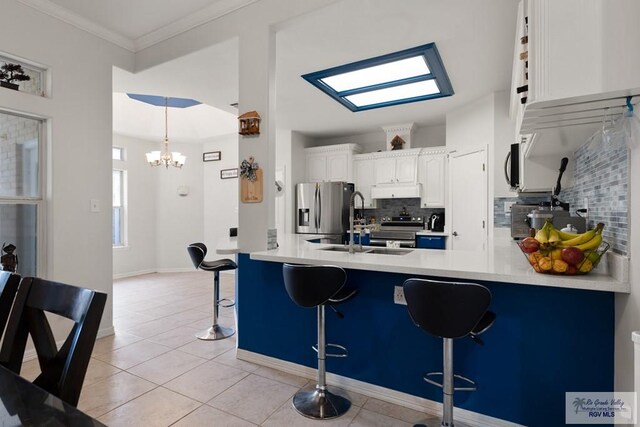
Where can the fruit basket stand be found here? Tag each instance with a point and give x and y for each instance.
(545, 262)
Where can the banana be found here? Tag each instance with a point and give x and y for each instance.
(579, 239)
(583, 238)
(554, 237)
(566, 236)
(541, 235)
(592, 244)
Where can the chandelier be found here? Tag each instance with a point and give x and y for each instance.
(157, 158)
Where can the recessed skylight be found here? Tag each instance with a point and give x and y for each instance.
(410, 75)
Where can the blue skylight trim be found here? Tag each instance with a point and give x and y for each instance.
(431, 56)
(159, 100)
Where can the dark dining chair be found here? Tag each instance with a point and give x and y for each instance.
(8, 287)
(62, 370)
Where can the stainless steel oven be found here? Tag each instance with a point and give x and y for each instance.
(398, 229)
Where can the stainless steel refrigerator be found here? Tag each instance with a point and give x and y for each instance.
(323, 208)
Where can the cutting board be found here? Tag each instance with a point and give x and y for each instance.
(251, 191)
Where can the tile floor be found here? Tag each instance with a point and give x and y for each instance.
(154, 372)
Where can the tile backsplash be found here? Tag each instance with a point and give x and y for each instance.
(393, 207)
(602, 176)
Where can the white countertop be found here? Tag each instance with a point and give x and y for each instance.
(227, 246)
(502, 263)
(432, 233)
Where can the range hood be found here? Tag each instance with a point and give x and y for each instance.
(396, 191)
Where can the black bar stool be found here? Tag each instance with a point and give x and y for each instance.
(197, 252)
(449, 310)
(316, 286)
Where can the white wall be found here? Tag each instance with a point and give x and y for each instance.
(179, 220)
(78, 242)
(139, 254)
(220, 195)
(504, 136)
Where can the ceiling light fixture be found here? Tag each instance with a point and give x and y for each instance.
(156, 158)
(411, 75)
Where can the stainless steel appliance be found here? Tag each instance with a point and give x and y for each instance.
(519, 221)
(400, 229)
(323, 208)
(436, 222)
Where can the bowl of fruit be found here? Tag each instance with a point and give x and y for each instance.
(553, 251)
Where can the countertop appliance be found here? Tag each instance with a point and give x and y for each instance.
(436, 222)
(520, 224)
(323, 208)
(401, 229)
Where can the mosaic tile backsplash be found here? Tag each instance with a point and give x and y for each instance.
(601, 176)
(393, 207)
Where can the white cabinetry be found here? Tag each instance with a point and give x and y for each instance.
(331, 162)
(365, 177)
(397, 168)
(432, 175)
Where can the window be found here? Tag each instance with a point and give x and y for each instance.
(35, 83)
(119, 204)
(411, 75)
(21, 188)
(117, 153)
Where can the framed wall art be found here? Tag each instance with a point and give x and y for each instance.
(229, 173)
(212, 156)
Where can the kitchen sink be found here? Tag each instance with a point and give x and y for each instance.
(368, 250)
(389, 251)
(345, 249)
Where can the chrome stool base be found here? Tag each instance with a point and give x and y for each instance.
(320, 404)
(215, 333)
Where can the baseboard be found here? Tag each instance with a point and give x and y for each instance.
(176, 270)
(377, 392)
(132, 274)
(30, 354)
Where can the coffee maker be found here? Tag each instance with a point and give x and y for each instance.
(435, 222)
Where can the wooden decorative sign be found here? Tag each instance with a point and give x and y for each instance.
(249, 123)
(251, 191)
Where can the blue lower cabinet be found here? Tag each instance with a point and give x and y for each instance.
(431, 242)
(356, 238)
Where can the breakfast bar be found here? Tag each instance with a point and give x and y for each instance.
(552, 334)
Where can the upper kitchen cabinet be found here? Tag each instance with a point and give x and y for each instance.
(365, 177)
(432, 166)
(397, 167)
(573, 60)
(331, 162)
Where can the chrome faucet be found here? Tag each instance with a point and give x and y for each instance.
(352, 203)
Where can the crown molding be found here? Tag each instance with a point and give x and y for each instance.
(65, 15)
(210, 13)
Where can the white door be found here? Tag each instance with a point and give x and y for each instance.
(406, 168)
(316, 168)
(468, 180)
(385, 170)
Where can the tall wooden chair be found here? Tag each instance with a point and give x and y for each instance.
(8, 287)
(63, 370)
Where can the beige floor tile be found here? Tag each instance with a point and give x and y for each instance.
(208, 349)
(395, 411)
(152, 328)
(166, 366)
(186, 317)
(176, 337)
(205, 322)
(158, 408)
(97, 371)
(283, 377)
(373, 419)
(229, 358)
(114, 342)
(206, 416)
(133, 354)
(288, 416)
(101, 397)
(206, 381)
(129, 320)
(254, 398)
(30, 369)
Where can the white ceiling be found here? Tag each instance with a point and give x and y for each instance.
(475, 40)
